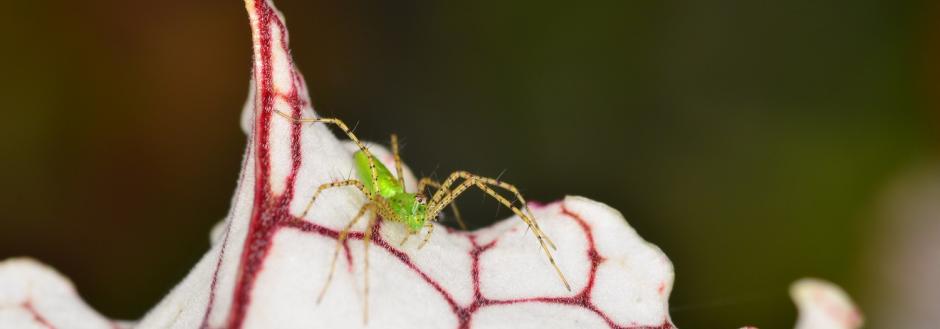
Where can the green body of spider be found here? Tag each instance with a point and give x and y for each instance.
(408, 208)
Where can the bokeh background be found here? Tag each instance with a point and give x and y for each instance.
(753, 141)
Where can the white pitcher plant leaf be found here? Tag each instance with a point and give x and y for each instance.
(268, 263)
(823, 305)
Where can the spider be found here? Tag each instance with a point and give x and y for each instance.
(388, 199)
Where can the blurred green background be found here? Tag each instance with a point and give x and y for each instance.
(750, 140)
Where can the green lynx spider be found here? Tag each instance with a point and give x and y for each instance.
(388, 199)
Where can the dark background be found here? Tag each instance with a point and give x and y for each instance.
(750, 140)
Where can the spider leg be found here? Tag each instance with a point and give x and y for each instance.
(440, 200)
(491, 181)
(538, 232)
(402, 243)
(427, 237)
(342, 126)
(427, 181)
(348, 182)
(367, 240)
(512, 188)
(398, 169)
(339, 245)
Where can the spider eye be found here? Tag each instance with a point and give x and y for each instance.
(421, 199)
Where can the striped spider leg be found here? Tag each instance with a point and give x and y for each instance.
(445, 196)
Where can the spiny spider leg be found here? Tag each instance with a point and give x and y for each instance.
(348, 182)
(342, 126)
(367, 240)
(437, 203)
(427, 237)
(512, 188)
(427, 181)
(398, 169)
(339, 245)
(539, 234)
(407, 236)
(467, 176)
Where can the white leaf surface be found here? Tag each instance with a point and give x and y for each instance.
(33, 295)
(823, 305)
